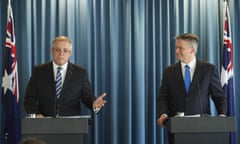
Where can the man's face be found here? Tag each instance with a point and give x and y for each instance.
(184, 51)
(61, 51)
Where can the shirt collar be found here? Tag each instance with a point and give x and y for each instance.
(191, 64)
(63, 66)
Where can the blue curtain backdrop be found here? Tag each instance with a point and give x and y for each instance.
(124, 45)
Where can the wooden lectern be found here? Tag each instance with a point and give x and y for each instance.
(201, 130)
(61, 130)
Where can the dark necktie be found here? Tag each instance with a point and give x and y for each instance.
(187, 79)
(58, 82)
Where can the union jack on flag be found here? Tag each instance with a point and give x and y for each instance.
(227, 75)
(10, 92)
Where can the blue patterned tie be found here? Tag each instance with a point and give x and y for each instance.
(58, 82)
(187, 79)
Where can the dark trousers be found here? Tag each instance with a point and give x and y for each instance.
(170, 138)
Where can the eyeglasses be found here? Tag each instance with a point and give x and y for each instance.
(64, 51)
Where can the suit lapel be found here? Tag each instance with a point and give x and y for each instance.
(68, 77)
(50, 78)
(179, 76)
(50, 73)
(196, 76)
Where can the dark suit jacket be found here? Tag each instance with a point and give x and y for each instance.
(40, 94)
(205, 83)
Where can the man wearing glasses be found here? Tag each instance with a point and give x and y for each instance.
(56, 88)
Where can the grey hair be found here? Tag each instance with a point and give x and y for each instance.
(191, 38)
(62, 38)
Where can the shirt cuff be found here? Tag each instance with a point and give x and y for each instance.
(164, 115)
(222, 115)
(96, 110)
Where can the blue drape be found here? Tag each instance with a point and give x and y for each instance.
(124, 45)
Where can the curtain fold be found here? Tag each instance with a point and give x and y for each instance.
(124, 46)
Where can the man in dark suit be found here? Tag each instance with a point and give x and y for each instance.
(176, 96)
(43, 99)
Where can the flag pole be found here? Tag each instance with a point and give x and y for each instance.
(224, 8)
(9, 3)
(9, 7)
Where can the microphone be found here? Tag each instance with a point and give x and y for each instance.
(200, 102)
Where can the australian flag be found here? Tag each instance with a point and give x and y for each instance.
(227, 75)
(10, 92)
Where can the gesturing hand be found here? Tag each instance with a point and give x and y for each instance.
(99, 102)
(162, 119)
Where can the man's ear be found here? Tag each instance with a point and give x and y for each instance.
(193, 50)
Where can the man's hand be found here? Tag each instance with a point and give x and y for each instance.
(99, 102)
(39, 116)
(162, 119)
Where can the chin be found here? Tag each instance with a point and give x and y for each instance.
(60, 63)
(179, 59)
